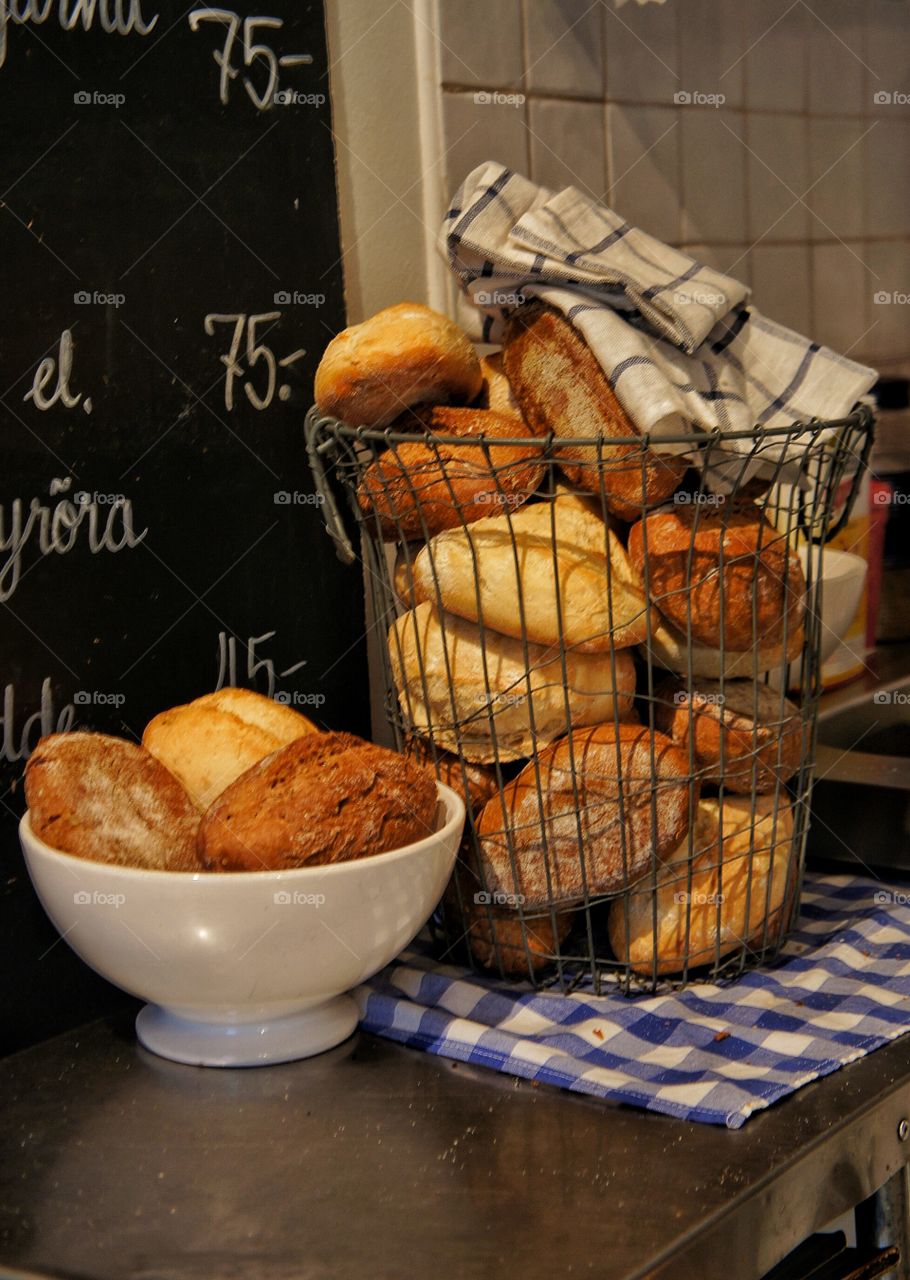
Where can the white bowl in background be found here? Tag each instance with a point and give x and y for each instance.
(247, 967)
(843, 579)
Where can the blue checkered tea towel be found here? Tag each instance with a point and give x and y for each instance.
(711, 1053)
(676, 339)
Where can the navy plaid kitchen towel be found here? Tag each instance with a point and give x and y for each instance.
(710, 1053)
(676, 339)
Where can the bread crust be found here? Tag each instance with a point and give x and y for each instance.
(590, 791)
(464, 692)
(208, 743)
(542, 572)
(669, 649)
(742, 733)
(325, 798)
(697, 554)
(756, 890)
(500, 938)
(108, 800)
(475, 783)
(496, 392)
(416, 490)
(561, 387)
(403, 355)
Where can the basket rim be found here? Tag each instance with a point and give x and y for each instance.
(860, 418)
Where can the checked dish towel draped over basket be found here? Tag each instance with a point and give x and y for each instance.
(678, 341)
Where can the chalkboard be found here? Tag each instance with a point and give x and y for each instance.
(170, 271)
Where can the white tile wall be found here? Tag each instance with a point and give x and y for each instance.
(644, 168)
(568, 146)
(564, 47)
(604, 109)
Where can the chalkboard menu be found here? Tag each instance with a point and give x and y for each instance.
(171, 271)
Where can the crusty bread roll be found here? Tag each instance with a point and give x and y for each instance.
(724, 572)
(415, 490)
(475, 783)
(402, 356)
(588, 816)
(208, 743)
(542, 573)
(742, 733)
(501, 937)
(465, 692)
(496, 392)
(749, 902)
(668, 648)
(327, 797)
(403, 573)
(561, 387)
(109, 800)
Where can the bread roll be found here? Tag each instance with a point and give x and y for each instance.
(725, 573)
(715, 915)
(508, 571)
(669, 649)
(208, 743)
(501, 938)
(464, 692)
(325, 798)
(416, 490)
(561, 387)
(475, 783)
(108, 800)
(403, 355)
(496, 392)
(403, 574)
(587, 817)
(755, 733)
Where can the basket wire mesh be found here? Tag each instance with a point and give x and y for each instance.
(672, 902)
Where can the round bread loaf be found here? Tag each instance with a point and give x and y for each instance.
(588, 817)
(109, 800)
(326, 798)
(668, 648)
(743, 734)
(208, 743)
(402, 356)
(416, 490)
(560, 387)
(492, 697)
(699, 921)
(724, 572)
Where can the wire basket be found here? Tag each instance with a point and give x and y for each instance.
(615, 707)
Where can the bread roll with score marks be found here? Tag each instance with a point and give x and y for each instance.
(208, 743)
(416, 490)
(723, 573)
(579, 820)
(464, 691)
(712, 915)
(403, 355)
(509, 571)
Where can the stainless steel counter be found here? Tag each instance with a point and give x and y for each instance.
(379, 1161)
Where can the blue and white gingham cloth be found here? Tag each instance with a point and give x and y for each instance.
(676, 339)
(710, 1053)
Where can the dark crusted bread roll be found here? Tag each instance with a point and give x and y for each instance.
(598, 793)
(416, 490)
(560, 386)
(724, 571)
(108, 800)
(325, 798)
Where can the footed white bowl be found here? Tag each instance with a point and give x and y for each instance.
(245, 968)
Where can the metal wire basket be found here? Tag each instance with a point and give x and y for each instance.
(605, 846)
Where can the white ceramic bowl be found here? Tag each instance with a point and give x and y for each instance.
(843, 579)
(245, 968)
